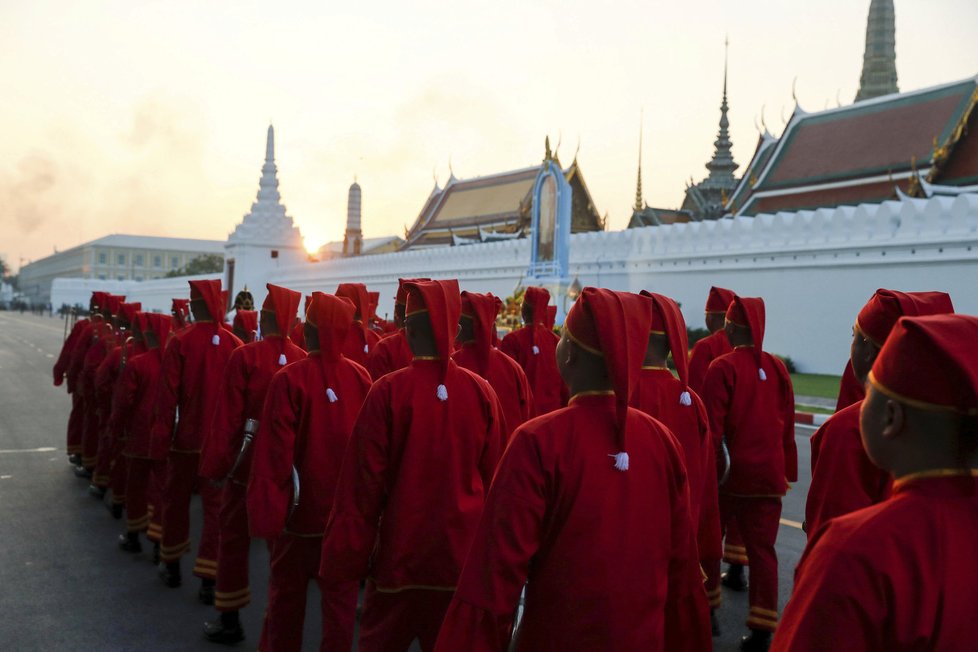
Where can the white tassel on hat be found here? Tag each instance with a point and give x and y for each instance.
(216, 339)
(366, 348)
(331, 395)
(685, 399)
(442, 393)
(621, 460)
(536, 350)
(281, 360)
(761, 373)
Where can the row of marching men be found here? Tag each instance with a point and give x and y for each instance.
(612, 516)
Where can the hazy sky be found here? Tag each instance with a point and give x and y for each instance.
(149, 117)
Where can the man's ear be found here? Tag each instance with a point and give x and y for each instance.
(894, 416)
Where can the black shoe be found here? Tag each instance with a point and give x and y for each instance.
(156, 553)
(205, 595)
(757, 641)
(129, 542)
(74, 460)
(217, 631)
(116, 510)
(170, 574)
(82, 472)
(734, 579)
(714, 623)
(97, 492)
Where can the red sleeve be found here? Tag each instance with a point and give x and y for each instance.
(64, 358)
(123, 399)
(788, 413)
(496, 436)
(480, 617)
(361, 493)
(222, 444)
(510, 346)
(166, 398)
(699, 363)
(525, 394)
(824, 611)
(78, 353)
(717, 394)
(378, 360)
(687, 617)
(270, 485)
(104, 377)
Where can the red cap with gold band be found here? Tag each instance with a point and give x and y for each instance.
(400, 298)
(931, 363)
(443, 304)
(482, 309)
(718, 300)
(749, 312)
(881, 312)
(614, 325)
(129, 310)
(667, 319)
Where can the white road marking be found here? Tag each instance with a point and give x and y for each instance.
(50, 355)
(5, 477)
(43, 449)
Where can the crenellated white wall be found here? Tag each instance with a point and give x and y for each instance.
(815, 269)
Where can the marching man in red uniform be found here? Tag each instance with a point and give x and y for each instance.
(392, 352)
(190, 381)
(844, 479)
(534, 347)
(590, 504)
(81, 334)
(716, 343)
(477, 354)
(669, 399)
(901, 574)
(246, 378)
(310, 409)
(413, 481)
(245, 325)
(750, 402)
(132, 416)
(362, 339)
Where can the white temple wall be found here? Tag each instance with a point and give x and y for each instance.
(155, 295)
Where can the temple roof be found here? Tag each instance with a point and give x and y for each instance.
(480, 207)
(650, 216)
(843, 155)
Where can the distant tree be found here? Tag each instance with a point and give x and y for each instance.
(203, 264)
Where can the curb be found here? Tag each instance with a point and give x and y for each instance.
(810, 419)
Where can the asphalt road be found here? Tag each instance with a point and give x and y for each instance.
(65, 586)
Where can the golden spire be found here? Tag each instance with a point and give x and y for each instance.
(638, 185)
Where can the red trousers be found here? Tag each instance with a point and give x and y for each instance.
(181, 478)
(391, 621)
(90, 435)
(107, 448)
(734, 551)
(142, 494)
(295, 561)
(232, 591)
(757, 519)
(76, 422)
(709, 541)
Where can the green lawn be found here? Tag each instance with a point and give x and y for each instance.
(822, 385)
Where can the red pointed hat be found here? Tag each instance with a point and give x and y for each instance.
(482, 309)
(614, 325)
(400, 298)
(718, 300)
(443, 304)
(539, 300)
(357, 293)
(332, 316)
(180, 307)
(931, 362)
(667, 319)
(99, 299)
(881, 312)
(285, 304)
(246, 320)
(749, 312)
(551, 317)
(160, 324)
(113, 302)
(209, 290)
(129, 310)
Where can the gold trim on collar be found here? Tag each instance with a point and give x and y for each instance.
(654, 332)
(730, 321)
(935, 473)
(917, 403)
(594, 392)
(427, 357)
(415, 312)
(655, 367)
(589, 349)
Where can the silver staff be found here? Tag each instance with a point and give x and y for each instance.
(250, 428)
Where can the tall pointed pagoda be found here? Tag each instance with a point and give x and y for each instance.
(879, 75)
(706, 200)
(266, 236)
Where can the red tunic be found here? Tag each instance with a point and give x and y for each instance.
(757, 419)
(360, 341)
(899, 575)
(610, 557)
(850, 389)
(247, 374)
(508, 381)
(549, 390)
(298, 336)
(190, 379)
(843, 477)
(64, 358)
(133, 404)
(390, 354)
(414, 479)
(300, 426)
(704, 352)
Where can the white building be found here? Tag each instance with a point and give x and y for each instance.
(116, 257)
